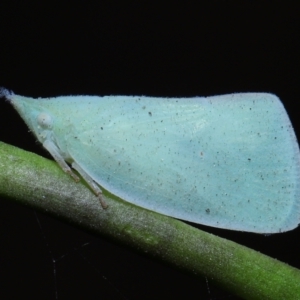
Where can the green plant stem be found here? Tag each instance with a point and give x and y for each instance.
(39, 183)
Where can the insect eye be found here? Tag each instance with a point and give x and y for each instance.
(44, 120)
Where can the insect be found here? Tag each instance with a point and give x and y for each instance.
(228, 161)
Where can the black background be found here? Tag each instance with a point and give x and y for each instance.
(211, 48)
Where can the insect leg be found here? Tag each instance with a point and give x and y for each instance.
(54, 151)
(91, 183)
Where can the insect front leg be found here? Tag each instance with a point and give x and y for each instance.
(54, 151)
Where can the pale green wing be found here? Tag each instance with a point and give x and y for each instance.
(229, 161)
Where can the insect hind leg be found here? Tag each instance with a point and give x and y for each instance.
(91, 183)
